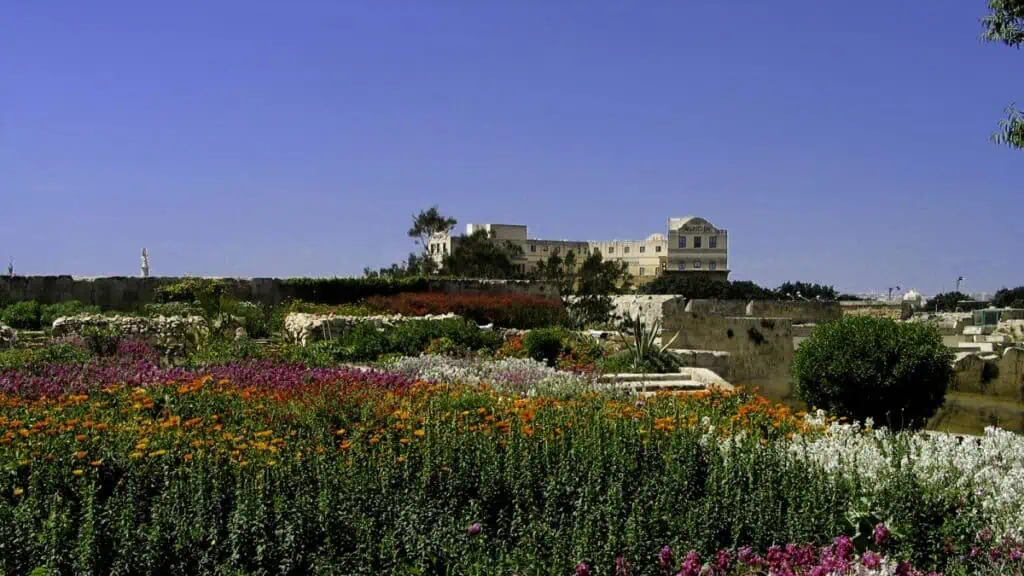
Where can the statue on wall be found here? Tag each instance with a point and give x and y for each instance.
(10, 268)
(145, 263)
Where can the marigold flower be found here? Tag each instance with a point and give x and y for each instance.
(156, 453)
(78, 472)
(18, 491)
(264, 434)
(80, 438)
(135, 455)
(419, 432)
(345, 445)
(96, 463)
(403, 441)
(80, 455)
(401, 459)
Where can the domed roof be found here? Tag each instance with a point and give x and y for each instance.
(912, 295)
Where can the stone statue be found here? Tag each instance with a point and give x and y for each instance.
(145, 263)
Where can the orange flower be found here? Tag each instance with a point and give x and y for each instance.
(80, 438)
(403, 441)
(345, 445)
(264, 434)
(80, 455)
(187, 457)
(96, 463)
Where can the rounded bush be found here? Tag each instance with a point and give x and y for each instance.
(544, 344)
(22, 315)
(894, 373)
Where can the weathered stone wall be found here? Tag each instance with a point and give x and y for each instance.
(127, 293)
(172, 333)
(760, 350)
(717, 307)
(799, 311)
(893, 310)
(8, 336)
(301, 328)
(992, 374)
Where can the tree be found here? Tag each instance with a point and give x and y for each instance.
(806, 291)
(895, 373)
(1005, 23)
(424, 226)
(946, 302)
(480, 256)
(700, 286)
(1009, 298)
(586, 288)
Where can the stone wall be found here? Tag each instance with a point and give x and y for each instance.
(717, 307)
(301, 328)
(760, 350)
(992, 374)
(798, 311)
(174, 334)
(128, 293)
(878, 309)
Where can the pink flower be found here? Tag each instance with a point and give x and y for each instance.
(871, 560)
(582, 569)
(880, 534)
(665, 558)
(474, 529)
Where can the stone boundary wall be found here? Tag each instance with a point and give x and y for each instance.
(800, 312)
(303, 329)
(717, 307)
(127, 293)
(878, 309)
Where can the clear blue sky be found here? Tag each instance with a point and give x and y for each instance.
(840, 142)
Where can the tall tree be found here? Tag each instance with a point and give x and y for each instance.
(1005, 23)
(424, 225)
(480, 256)
(586, 287)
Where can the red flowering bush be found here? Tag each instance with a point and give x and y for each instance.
(504, 310)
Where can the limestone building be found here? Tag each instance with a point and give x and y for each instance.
(690, 245)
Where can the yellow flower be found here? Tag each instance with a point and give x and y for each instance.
(403, 441)
(419, 432)
(156, 453)
(264, 433)
(78, 472)
(401, 459)
(18, 491)
(135, 455)
(96, 463)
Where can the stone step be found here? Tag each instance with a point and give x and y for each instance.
(652, 388)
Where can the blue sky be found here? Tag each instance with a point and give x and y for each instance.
(838, 142)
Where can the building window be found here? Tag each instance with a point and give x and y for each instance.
(643, 249)
(712, 265)
(696, 263)
(712, 241)
(682, 265)
(545, 248)
(556, 250)
(641, 270)
(611, 249)
(533, 247)
(597, 250)
(682, 241)
(657, 248)
(568, 253)
(696, 241)
(625, 250)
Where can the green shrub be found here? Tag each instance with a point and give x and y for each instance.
(545, 344)
(655, 362)
(33, 359)
(348, 290)
(101, 341)
(172, 309)
(222, 351)
(861, 367)
(50, 312)
(23, 315)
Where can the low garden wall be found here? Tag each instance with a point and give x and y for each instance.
(999, 375)
(877, 309)
(301, 328)
(127, 293)
(172, 333)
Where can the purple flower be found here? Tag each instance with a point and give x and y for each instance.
(691, 564)
(582, 569)
(621, 566)
(1016, 555)
(881, 534)
(843, 548)
(871, 560)
(723, 561)
(665, 558)
(746, 556)
(474, 529)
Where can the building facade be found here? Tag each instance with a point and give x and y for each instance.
(690, 245)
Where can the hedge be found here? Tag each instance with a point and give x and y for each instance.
(505, 310)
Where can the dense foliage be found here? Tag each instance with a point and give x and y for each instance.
(1005, 23)
(1009, 298)
(23, 315)
(586, 286)
(862, 367)
(504, 310)
(702, 287)
(950, 302)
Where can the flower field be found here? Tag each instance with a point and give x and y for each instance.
(451, 467)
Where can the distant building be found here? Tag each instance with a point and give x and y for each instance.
(692, 245)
